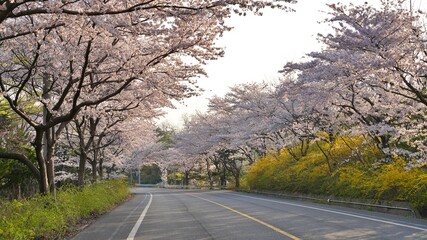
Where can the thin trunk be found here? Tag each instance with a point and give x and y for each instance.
(94, 175)
(48, 148)
(328, 162)
(304, 147)
(359, 156)
(101, 169)
(19, 192)
(48, 135)
(291, 152)
(97, 154)
(209, 172)
(223, 178)
(44, 183)
(98, 170)
(100, 160)
(93, 123)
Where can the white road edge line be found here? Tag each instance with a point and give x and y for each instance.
(337, 212)
(113, 235)
(141, 217)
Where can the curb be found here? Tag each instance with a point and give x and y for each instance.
(391, 207)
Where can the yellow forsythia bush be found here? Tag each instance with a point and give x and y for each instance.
(353, 175)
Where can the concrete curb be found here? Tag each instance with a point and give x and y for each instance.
(391, 207)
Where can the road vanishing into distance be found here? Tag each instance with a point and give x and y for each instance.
(195, 214)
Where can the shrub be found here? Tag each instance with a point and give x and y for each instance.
(44, 217)
(355, 175)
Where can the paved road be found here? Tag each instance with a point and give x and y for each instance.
(191, 214)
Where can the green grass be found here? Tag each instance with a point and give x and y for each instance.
(43, 217)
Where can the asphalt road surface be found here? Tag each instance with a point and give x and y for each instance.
(193, 214)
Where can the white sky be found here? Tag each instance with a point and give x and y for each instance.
(257, 48)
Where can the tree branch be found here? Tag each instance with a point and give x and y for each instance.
(23, 159)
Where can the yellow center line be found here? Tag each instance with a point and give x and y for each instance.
(250, 217)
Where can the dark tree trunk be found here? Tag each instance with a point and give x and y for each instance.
(94, 171)
(209, 172)
(82, 169)
(38, 144)
(237, 179)
(186, 178)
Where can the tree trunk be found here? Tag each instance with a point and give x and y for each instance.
(237, 179)
(209, 172)
(292, 153)
(98, 160)
(101, 168)
(328, 162)
(48, 137)
(83, 147)
(305, 144)
(223, 179)
(82, 169)
(44, 182)
(39, 171)
(186, 178)
(49, 142)
(356, 151)
(94, 171)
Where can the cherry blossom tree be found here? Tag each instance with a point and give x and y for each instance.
(100, 122)
(371, 75)
(69, 55)
(264, 117)
(226, 137)
(196, 142)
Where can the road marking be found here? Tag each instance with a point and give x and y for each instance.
(250, 217)
(141, 217)
(338, 212)
(113, 235)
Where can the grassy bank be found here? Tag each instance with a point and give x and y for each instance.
(341, 172)
(43, 217)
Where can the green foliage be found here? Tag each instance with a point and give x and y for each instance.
(175, 178)
(151, 174)
(244, 183)
(356, 174)
(47, 218)
(16, 179)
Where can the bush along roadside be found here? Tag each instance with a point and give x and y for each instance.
(44, 217)
(343, 174)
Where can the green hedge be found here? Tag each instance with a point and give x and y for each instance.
(43, 217)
